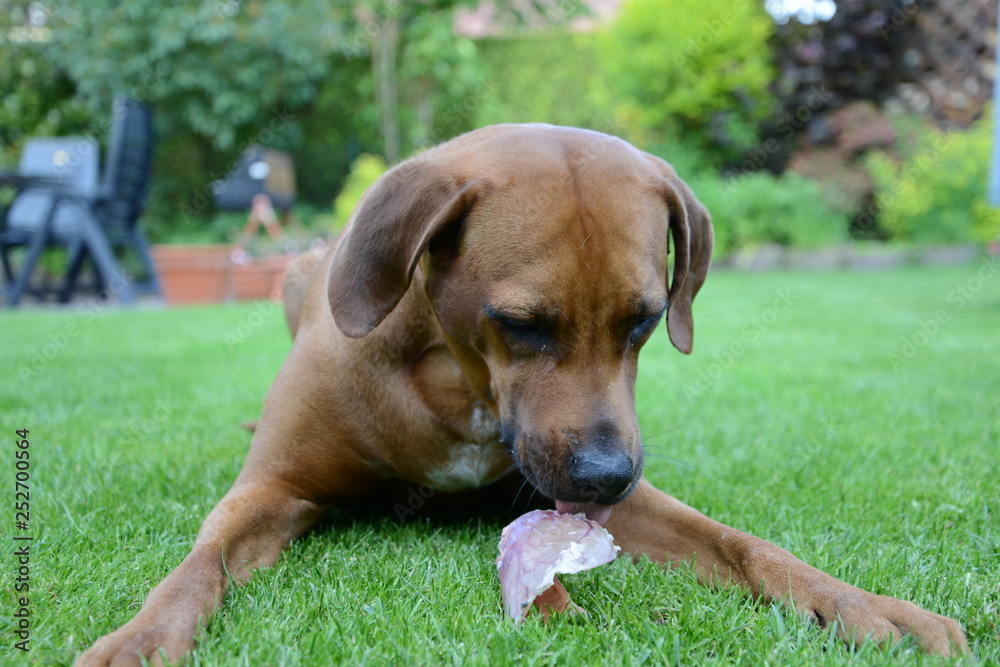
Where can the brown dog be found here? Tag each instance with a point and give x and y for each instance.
(484, 308)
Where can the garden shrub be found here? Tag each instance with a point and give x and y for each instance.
(365, 171)
(688, 159)
(552, 79)
(36, 99)
(757, 208)
(937, 194)
(692, 68)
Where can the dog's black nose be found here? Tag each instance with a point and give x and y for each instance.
(601, 475)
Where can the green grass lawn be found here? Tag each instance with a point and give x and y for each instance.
(830, 413)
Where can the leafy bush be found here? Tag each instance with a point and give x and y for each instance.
(224, 69)
(337, 130)
(687, 158)
(212, 227)
(442, 79)
(36, 99)
(697, 68)
(552, 79)
(365, 171)
(937, 194)
(758, 208)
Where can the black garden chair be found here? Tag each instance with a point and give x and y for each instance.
(59, 203)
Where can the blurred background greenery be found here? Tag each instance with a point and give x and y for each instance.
(801, 124)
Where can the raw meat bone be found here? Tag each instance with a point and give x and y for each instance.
(541, 544)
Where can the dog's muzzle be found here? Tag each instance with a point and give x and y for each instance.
(586, 477)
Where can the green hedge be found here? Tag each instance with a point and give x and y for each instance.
(555, 79)
(753, 209)
(692, 69)
(364, 172)
(937, 193)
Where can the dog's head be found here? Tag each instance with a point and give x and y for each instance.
(544, 252)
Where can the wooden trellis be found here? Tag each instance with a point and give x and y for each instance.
(953, 58)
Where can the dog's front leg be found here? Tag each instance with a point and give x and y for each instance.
(669, 531)
(246, 530)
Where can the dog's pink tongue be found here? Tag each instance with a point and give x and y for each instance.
(593, 511)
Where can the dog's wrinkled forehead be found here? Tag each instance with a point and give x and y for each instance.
(566, 244)
(572, 211)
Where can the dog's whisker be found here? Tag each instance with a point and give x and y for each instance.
(506, 472)
(664, 457)
(655, 445)
(525, 482)
(646, 438)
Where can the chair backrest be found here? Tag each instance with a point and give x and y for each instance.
(129, 163)
(72, 162)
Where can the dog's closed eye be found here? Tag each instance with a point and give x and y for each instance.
(643, 327)
(522, 330)
(529, 331)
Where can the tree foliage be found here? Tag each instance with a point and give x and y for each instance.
(555, 79)
(36, 96)
(860, 53)
(692, 69)
(222, 67)
(223, 74)
(329, 80)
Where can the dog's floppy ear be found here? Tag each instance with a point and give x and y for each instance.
(391, 229)
(691, 229)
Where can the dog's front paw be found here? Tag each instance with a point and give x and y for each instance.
(861, 615)
(133, 642)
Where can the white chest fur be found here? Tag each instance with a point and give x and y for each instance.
(474, 463)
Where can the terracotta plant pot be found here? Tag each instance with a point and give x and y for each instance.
(260, 279)
(193, 273)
